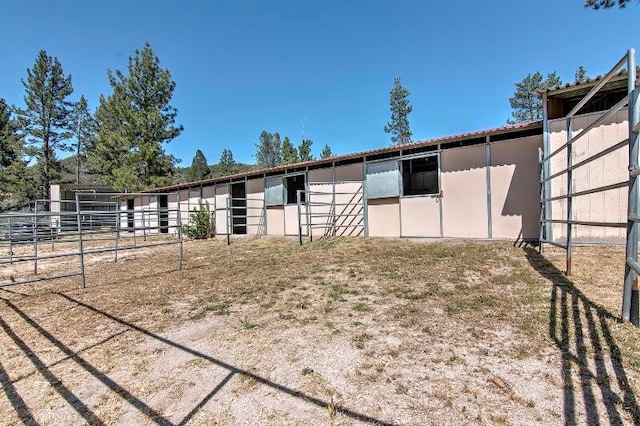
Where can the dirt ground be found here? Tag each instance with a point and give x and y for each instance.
(336, 332)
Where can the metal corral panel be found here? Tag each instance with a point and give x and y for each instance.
(383, 179)
(349, 207)
(275, 220)
(464, 186)
(320, 199)
(222, 193)
(608, 206)
(420, 216)
(515, 189)
(184, 206)
(255, 205)
(384, 217)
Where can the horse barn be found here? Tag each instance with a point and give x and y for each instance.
(481, 185)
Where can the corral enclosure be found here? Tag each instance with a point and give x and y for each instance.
(338, 331)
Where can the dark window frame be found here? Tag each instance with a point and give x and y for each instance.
(429, 172)
(291, 191)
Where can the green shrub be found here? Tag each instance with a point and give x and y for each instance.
(200, 225)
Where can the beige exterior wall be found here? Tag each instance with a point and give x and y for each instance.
(222, 193)
(384, 217)
(275, 220)
(609, 206)
(291, 219)
(515, 190)
(420, 216)
(321, 186)
(464, 187)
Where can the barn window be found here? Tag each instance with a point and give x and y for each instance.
(420, 176)
(383, 179)
(294, 184)
(274, 191)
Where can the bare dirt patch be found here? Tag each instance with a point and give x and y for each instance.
(339, 331)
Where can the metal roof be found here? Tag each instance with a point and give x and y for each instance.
(575, 89)
(510, 128)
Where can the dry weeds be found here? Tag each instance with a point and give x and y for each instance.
(339, 331)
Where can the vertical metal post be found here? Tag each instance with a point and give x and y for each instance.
(307, 203)
(333, 201)
(542, 197)
(569, 194)
(229, 219)
(10, 240)
(35, 241)
(365, 202)
(118, 221)
(80, 246)
(546, 150)
(299, 200)
(630, 293)
(179, 222)
(487, 152)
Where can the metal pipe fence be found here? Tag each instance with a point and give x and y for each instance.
(630, 293)
(238, 212)
(42, 236)
(335, 218)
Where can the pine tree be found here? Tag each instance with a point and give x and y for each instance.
(326, 152)
(304, 150)
(227, 163)
(83, 127)
(14, 181)
(133, 124)
(45, 120)
(199, 169)
(289, 153)
(269, 150)
(526, 106)
(605, 4)
(400, 110)
(581, 75)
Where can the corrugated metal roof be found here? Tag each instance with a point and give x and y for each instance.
(576, 89)
(529, 125)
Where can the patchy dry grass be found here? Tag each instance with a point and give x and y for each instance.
(338, 331)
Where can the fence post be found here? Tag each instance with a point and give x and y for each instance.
(569, 193)
(229, 219)
(179, 222)
(630, 293)
(35, 241)
(299, 200)
(80, 246)
(543, 195)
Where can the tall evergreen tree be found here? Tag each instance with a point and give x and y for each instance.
(400, 110)
(269, 150)
(83, 127)
(45, 120)
(14, 180)
(227, 163)
(526, 106)
(581, 75)
(133, 124)
(605, 4)
(289, 153)
(304, 150)
(199, 169)
(326, 152)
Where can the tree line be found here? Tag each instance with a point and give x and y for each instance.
(122, 143)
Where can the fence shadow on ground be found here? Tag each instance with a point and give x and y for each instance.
(27, 417)
(591, 359)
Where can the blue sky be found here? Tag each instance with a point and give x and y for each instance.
(246, 66)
